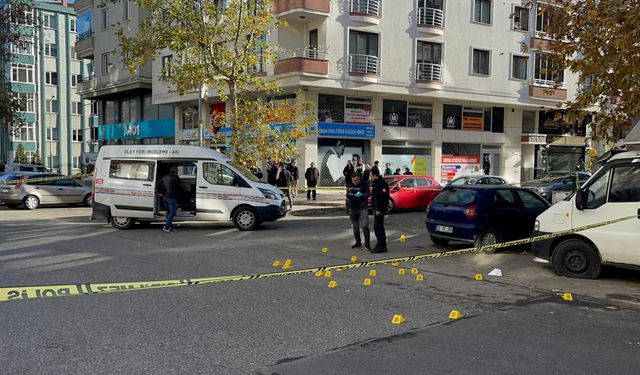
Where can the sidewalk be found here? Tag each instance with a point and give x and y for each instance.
(327, 201)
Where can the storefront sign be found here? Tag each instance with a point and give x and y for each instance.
(568, 141)
(455, 166)
(452, 117)
(534, 139)
(475, 123)
(193, 134)
(137, 130)
(328, 129)
(357, 115)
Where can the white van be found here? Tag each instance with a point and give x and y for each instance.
(613, 192)
(214, 188)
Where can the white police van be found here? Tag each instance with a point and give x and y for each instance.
(612, 193)
(214, 188)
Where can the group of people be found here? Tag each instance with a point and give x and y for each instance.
(389, 172)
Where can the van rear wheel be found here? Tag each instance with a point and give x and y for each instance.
(120, 222)
(246, 218)
(576, 258)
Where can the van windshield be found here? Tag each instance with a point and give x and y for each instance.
(456, 196)
(244, 170)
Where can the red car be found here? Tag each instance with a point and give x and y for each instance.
(410, 192)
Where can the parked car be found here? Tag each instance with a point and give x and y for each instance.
(408, 192)
(31, 192)
(483, 214)
(566, 182)
(478, 180)
(34, 168)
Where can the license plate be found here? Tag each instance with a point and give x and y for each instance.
(5, 190)
(444, 229)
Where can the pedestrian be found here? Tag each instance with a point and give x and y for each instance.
(357, 197)
(2, 166)
(366, 173)
(295, 174)
(387, 169)
(256, 170)
(397, 172)
(312, 176)
(407, 171)
(272, 171)
(169, 189)
(283, 181)
(379, 204)
(348, 171)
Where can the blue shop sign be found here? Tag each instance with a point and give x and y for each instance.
(138, 130)
(339, 130)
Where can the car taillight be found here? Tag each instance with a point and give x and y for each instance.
(471, 211)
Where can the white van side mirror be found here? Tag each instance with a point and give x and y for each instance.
(581, 199)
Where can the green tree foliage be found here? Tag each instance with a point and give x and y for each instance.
(224, 51)
(37, 159)
(599, 40)
(21, 156)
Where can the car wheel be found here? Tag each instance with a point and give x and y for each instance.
(246, 218)
(120, 222)
(576, 258)
(488, 237)
(88, 200)
(390, 206)
(439, 241)
(31, 202)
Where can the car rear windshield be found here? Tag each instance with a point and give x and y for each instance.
(456, 197)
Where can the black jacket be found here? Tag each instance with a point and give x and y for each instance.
(312, 175)
(380, 195)
(169, 186)
(357, 196)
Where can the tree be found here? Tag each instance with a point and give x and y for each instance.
(21, 156)
(224, 49)
(599, 40)
(37, 159)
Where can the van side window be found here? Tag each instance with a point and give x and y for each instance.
(131, 170)
(597, 191)
(625, 184)
(218, 174)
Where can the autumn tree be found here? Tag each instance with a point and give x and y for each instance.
(37, 159)
(21, 156)
(598, 39)
(223, 49)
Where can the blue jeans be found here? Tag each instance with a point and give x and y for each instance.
(172, 206)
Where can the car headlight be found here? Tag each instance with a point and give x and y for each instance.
(269, 194)
(536, 226)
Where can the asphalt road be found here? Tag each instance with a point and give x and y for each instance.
(512, 324)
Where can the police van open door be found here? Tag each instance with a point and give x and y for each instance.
(217, 192)
(131, 187)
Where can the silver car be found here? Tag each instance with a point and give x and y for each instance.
(31, 191)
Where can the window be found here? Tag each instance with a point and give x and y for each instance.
(67, 182)
(363, 52)
(597, 191)
(52, 106)
(482, 11)
(429, 61)
(27, 102)
(49, 21)
(73, 26)
(504, 199)
(75, 79)
(547, 72)
(420, 115)
(166, 65)
(126, 10)
(76, 162)
(23, 47)
(76, 135)
(218, 174)
(76, 108)
(519, 67)
(129, 110)
(521, 19)
(357, 111)
(542, 21)
(423, 182)
(51, 50)
(131, 170)
(21, 73)
(105, 63)
(480, 62)
(26, 133)
(25, 19)
(105, 17)
(394, 112)
(330, 108)
(51, 78)
(625, 184)
(407, 183)
(52, 134)
(530, 201)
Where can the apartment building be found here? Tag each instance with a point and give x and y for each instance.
(442, 87)
(45, 72)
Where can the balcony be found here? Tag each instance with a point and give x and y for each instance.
(549, 90)
(429, 75)
(302, 10)
(365, 11)
(85, 45)
(539, 42)
(303, 60)
(430, 21)
(364, 68)
(86, 85)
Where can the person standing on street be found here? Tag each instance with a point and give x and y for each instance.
(407, 171)
(387, 169)
(295, 174)
(169, 189)
(283, 181)
(379, 203)
(347, 172)
(357, 195)
(312, 176)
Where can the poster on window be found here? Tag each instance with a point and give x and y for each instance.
(452, 117)
(456, 166)
(331, 108)
(394, 113)
(333, 155)
(473, 121)
(417, 164)
(360, 114)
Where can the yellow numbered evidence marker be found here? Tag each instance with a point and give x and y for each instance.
(277, 263)
(402, 271)
(403, 238)
(366, 282)
(398, 319)
(414, 271)
(419, 277)
(319, 273)
(325, 249)
(478, 277)
(354, 258)
(333, 284)
(455, 314)
(373, 273)
(395, 264)
(567, 297)
(328, 274)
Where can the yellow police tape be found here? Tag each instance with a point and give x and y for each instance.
(62, 290)
(29, 180)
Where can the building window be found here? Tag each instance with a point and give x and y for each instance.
(27, 102)
(104, 60)
(76, 108)
(420, 115)
(542, 21)
(76, 161)
(52, 133)
(23, 47)
(126, 10)
(131, 170)
(51, 78)
(482, 11)
(52, 106)
(166, 65)
(105, 19)
(519, 67)
(73, 27)
(547, 72)
(363, 52)
(21, 73)
(25, 133)
(49, 21)
(481, 62)
(521, 19)
(51, 50)
(76, 135)
(429, 61)
(75, 79)
(24, 19)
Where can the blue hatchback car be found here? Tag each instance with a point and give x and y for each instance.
(483, 214)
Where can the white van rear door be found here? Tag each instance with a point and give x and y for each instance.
(614, 195)
(217, 191)
(131, 187)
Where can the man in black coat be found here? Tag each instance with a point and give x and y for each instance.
(168, 188)
(379, 203)
(357, 195)
(312, 176)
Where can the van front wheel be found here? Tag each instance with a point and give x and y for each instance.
(246, 218)
(576, 258)
(120, 222)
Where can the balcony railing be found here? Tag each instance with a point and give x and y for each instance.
(307, 53)
(363, 64)
(430, 17)
(84, 35)
(549, 84)
(369, 7)
(429, 72)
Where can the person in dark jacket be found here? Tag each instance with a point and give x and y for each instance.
(397, 172)
(312, 176)
(357, 196)
(407, 171)
(283, 181)
(379, 204)
(169, 189)
(347, 172)
(295, 175)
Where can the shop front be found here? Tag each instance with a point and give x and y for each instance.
(138, 133)
(565, 144)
